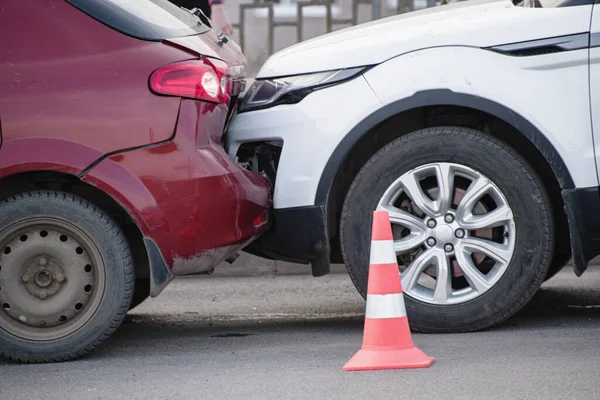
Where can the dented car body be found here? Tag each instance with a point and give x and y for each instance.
(113, 173)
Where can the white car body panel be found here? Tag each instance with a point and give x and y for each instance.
(473, 23)
(523, 84)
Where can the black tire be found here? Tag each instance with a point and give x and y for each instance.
(514, 177)
(109, 244)
(141, 292)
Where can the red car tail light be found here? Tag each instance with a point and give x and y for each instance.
(194, 79)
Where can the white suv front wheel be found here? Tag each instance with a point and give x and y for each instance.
(472, 227)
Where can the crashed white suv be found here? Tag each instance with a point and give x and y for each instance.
(473, 124)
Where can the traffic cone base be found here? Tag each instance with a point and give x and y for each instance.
(369, 360)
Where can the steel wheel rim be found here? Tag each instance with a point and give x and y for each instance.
(439, 238)
(52, 279)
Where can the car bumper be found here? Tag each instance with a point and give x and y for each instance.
(193, 204)
(582, 206)
(297, 235)
(292, 144)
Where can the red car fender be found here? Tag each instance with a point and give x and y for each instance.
(126, 189)
(45, 154)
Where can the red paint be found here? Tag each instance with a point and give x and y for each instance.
(384, 279)
(382, 228)
(188, 195)
(73, 91)
(80, 81)
(387, 334)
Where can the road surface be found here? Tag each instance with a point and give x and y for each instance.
(287, 337)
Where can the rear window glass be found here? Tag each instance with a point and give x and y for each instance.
(143, 19)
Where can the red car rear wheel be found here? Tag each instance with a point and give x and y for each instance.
(66, 276)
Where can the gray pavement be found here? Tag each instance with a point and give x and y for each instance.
(247, 265)
(287, 337)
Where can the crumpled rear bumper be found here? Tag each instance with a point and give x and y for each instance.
(193, 204)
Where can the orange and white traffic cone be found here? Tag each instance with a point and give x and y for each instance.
(387, 341)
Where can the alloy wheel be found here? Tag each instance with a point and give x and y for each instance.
(454, 232)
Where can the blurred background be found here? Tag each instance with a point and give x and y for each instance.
(264, 27)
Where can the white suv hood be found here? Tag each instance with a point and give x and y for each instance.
(477, 23)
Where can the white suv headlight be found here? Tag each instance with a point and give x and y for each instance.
(266, 93)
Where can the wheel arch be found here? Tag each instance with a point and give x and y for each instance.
(30, 180)
(437, 108)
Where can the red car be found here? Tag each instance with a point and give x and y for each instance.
(113, 175)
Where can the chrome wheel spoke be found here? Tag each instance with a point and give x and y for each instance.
(443, 287)
(498, 217)
(497, 251)
(402, 218)
(409, 242)
(413, 190)
(416, 227)
(476, 190)
(476, 279)
(445, 177)
(410, 276)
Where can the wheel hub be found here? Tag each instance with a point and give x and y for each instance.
(43, 278)
(48, 277)
(443, 233)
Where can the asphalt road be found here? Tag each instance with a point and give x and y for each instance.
(287, 337)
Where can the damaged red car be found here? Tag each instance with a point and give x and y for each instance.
(113, 175)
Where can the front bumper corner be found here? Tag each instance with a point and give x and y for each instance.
(297, 235)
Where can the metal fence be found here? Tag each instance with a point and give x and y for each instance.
(272, 24)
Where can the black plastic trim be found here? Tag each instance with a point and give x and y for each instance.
(297, 235)
(114, 17)
(582, 207)
(544, 46)
(160, 276)
(293, 97)
(441, 97)
(595, 39)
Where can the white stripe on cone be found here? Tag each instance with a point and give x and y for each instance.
(385, 306)
(382, 252)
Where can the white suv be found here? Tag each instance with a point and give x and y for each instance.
(473, 124)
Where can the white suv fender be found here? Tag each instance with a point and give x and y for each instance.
(511, 88)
